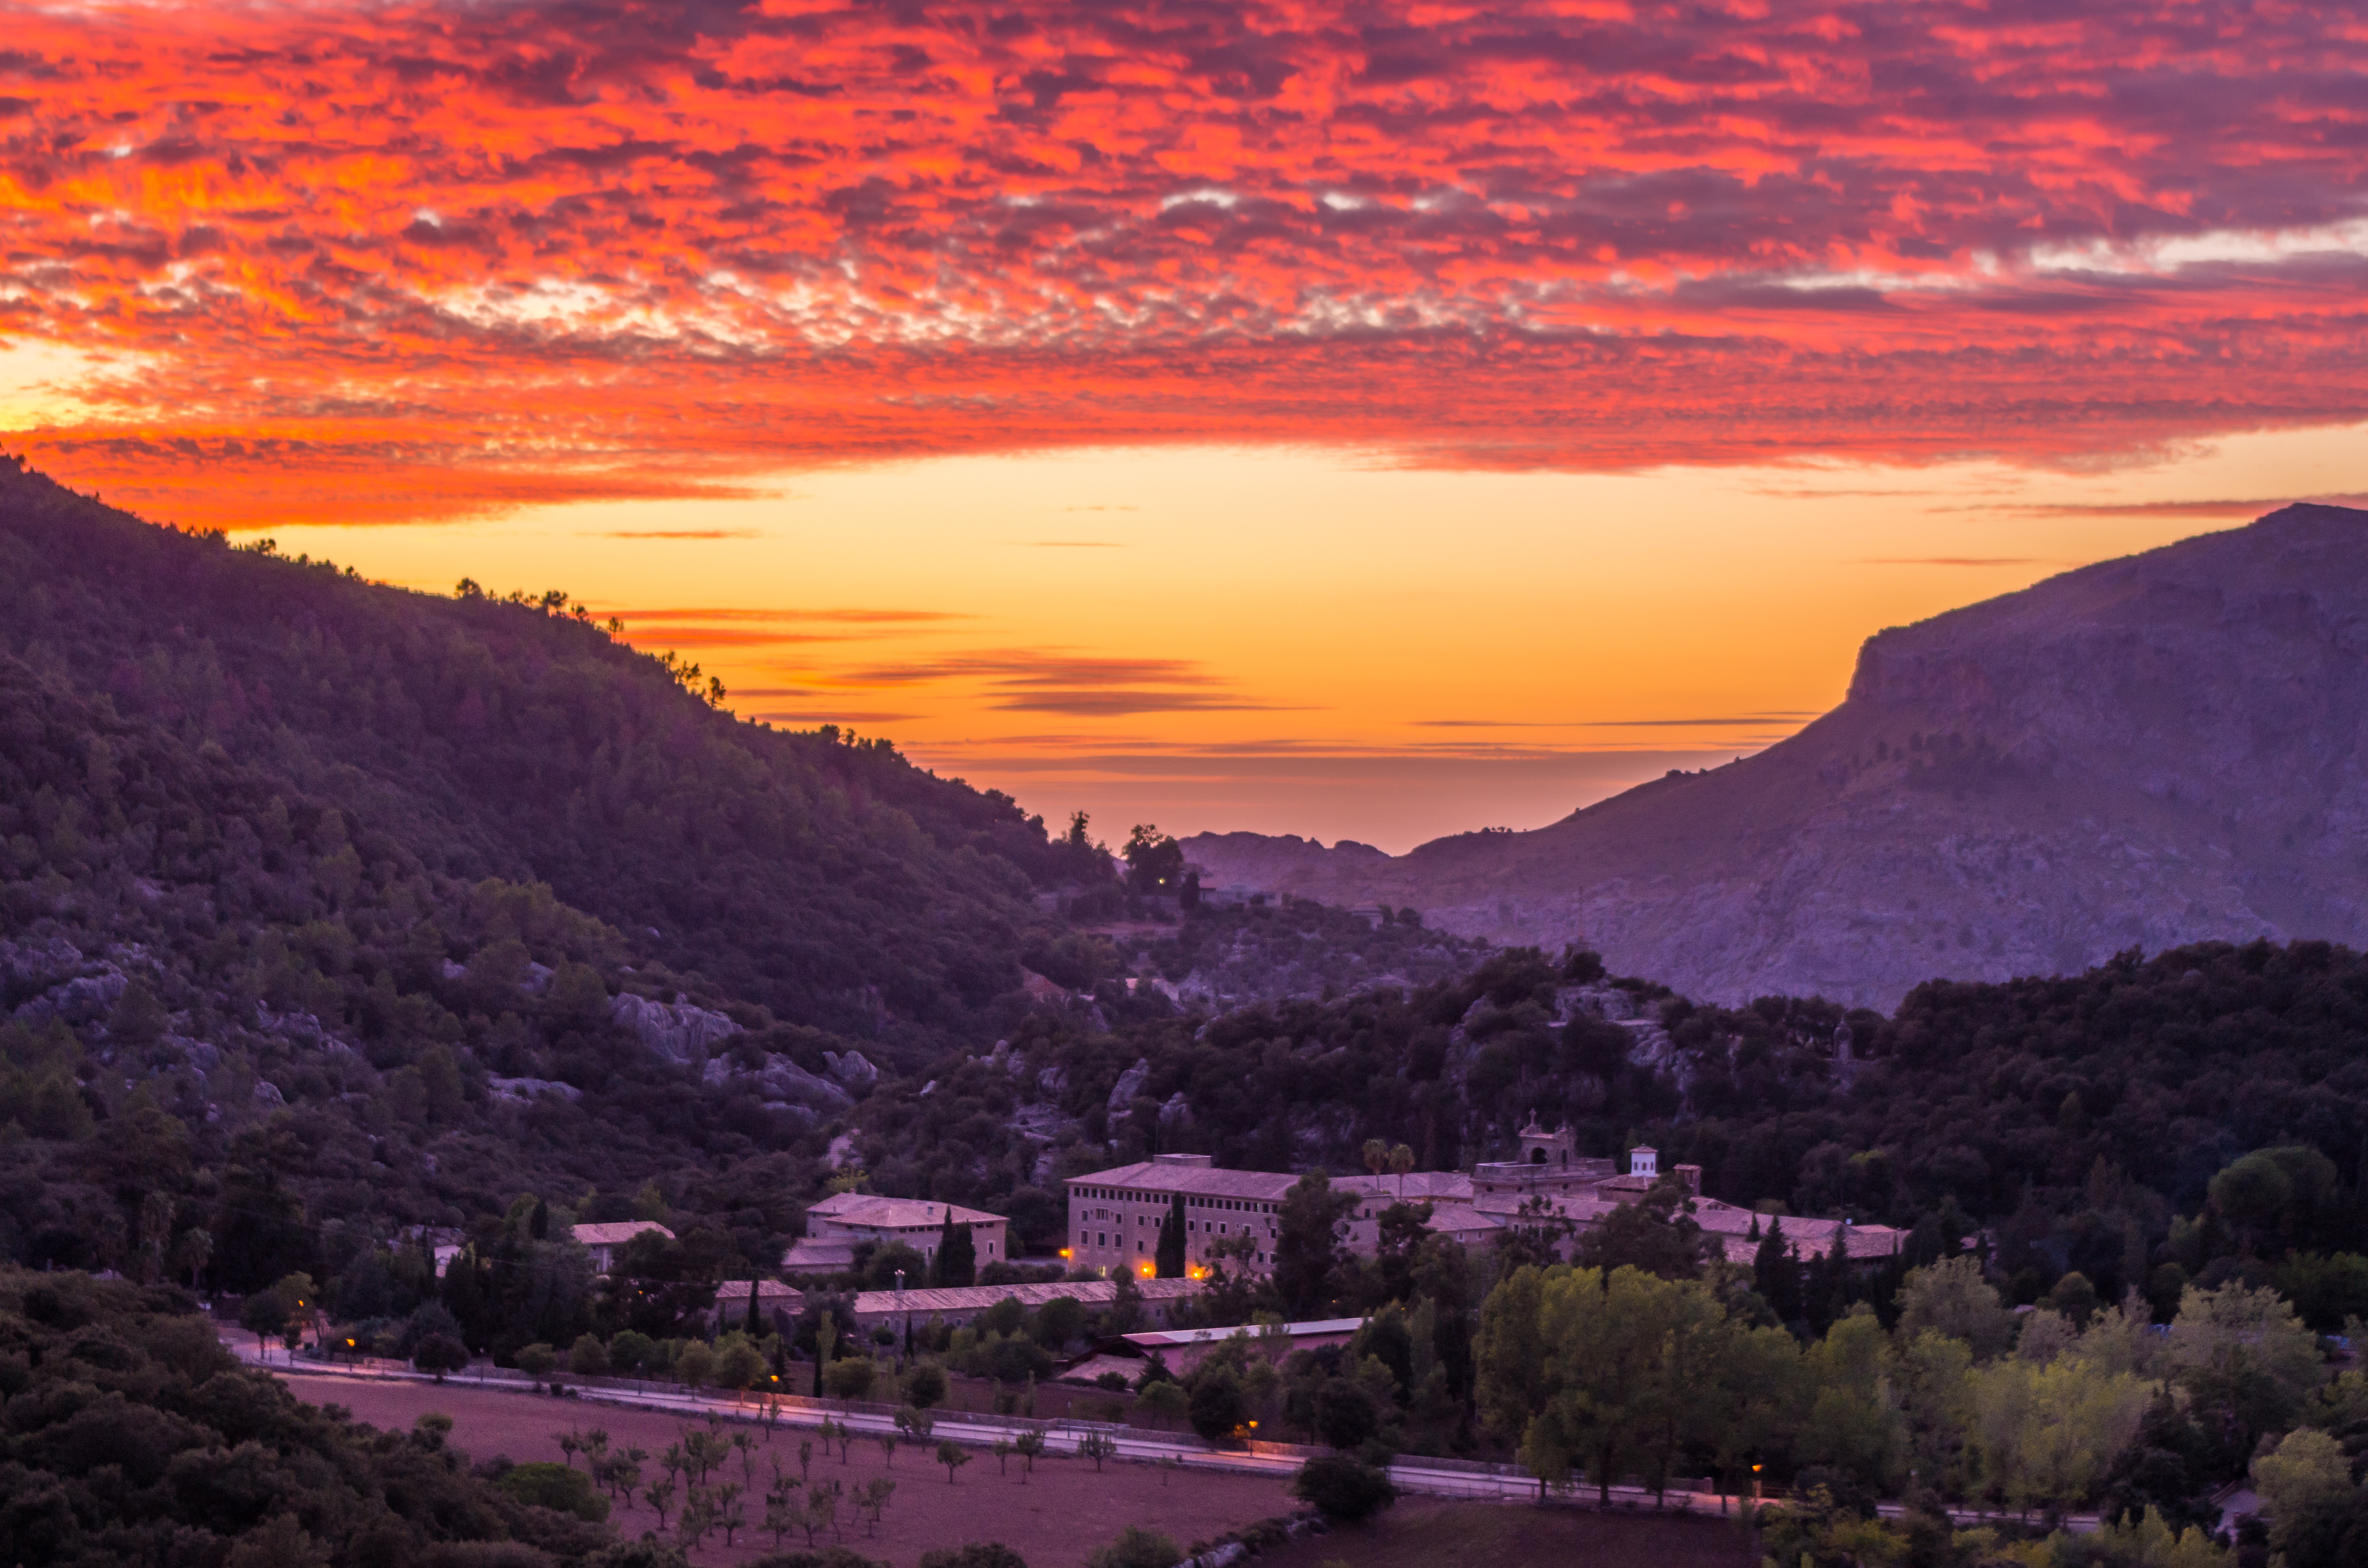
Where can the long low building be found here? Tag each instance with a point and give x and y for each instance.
(956, 1305)
(1115, 1214)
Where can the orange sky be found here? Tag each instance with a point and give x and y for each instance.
(1466, 391)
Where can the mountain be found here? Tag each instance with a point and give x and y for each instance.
(830, 883)
(2146, 752)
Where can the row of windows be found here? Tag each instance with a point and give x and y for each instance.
(1121, 1195)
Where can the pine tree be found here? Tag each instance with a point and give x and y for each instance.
(957, 1255)
(1167, 1261)
(1776, 1273)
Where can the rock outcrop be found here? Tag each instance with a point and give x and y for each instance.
(2150, 751)
(675, 1031)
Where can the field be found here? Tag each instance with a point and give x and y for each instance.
(1425, 1533)
(1054, 1519)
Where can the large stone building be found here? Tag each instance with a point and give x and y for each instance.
(1114, 1215)
(841, 1223)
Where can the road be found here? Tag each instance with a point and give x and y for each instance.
(1501, 1483)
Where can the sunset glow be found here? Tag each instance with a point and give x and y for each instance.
(1069, 390)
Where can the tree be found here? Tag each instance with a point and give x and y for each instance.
(2244, 1357)
(440, 1354)
(1154, 862)
(265, 1315)
(1216, 1401)
(1952, 1298)
(1307, 1243)
(2306, 1484)
(1170, 1254)
(1163, 1401)
(738, 1364)
(587, 1358)
(2045, 1435)
(535, 1360)
(956, 1253)
(1097, 1447)
(1344, 1490)
(1028, 1445)
(925, 1385)
(951, 1455)
(850, 1378)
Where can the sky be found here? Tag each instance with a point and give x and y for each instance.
(1367, 420)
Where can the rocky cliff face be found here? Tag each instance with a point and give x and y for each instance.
(2146, 752)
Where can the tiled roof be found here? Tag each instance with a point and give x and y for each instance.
(1197, 1181)
(897, 1214)
(1416, 1187)
(767, 1290)
(978, 1297)
(1152, 1339)
(615, 1233)
(819, 1254)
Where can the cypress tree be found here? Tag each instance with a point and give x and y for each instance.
(755, 1323)
(957, 1255)
(1167, 1261)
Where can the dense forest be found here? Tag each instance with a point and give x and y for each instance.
(132, 1436)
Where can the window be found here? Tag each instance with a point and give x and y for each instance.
(1099, 1241)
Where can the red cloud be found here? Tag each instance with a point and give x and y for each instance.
(407, 260)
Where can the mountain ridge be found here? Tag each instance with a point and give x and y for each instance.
(2141, 753)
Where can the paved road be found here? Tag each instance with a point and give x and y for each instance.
(1499, 1483)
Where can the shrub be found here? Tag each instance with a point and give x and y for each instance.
(587, 1358)
(978, 1554)
(1342, 1488)
(535, 1360)
(925, 1385)
(1137, 1548)
(562, 1488)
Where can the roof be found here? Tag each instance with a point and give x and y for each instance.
(978, 1297)
(767, 1290)
(1153, 1339)
(615, 1232)
(819, 1254)
(1462, 1219)
(1199, 1181)
(1415, 1187)
(897, 1214)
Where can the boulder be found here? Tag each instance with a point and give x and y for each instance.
(675, 1031)
(1130, 1083)
(850, 1068)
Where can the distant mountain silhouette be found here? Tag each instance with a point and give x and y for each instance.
(2142, 753)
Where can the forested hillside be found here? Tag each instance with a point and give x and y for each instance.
(133, 1438)
(831, 883)
(2080, 1118)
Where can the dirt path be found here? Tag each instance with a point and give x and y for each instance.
(1054, 1519)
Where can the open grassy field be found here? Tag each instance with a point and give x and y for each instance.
(1053, 1519)
(1428, 1533)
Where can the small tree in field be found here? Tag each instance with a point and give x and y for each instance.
(1097, 1447)
(440, 1354)
(951, 1454)
(1028, 1445)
